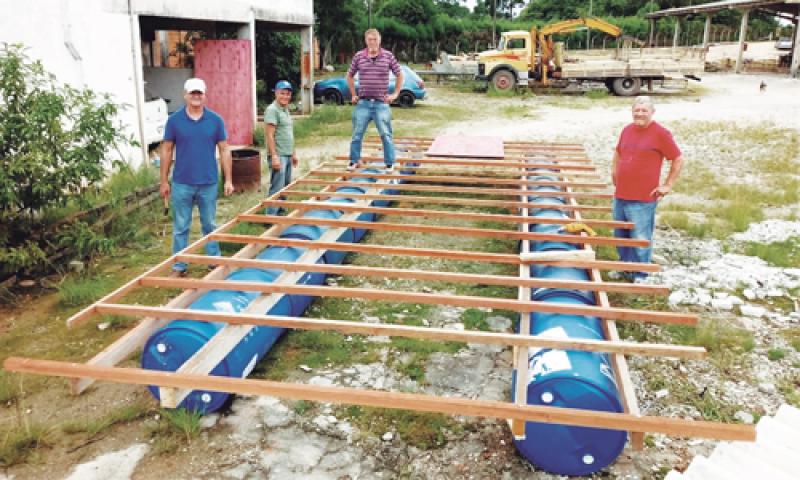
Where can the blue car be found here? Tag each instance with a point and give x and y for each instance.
(334, 90)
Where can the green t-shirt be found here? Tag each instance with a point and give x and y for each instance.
(284, 133)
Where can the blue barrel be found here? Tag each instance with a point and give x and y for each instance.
(169, 347)
(571, 379)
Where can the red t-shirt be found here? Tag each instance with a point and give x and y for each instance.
(641, 153)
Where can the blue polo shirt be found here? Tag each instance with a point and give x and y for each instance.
(195, 146)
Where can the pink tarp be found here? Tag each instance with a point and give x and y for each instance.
(466, 146)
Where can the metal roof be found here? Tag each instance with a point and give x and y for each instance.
(786, 6)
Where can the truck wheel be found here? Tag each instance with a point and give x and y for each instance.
(627, 86)
(503, 80)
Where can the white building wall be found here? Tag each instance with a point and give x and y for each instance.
(95, 43)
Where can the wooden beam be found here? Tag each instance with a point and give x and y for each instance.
(473, 279)
(453, 179)
(437, 230)
(443, 201)
(404, 401)
(425, 298)
(423, 333)
(480, 163)
(510, 192)
(419, 212)
(434, 253)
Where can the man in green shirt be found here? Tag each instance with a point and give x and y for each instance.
(280, 140)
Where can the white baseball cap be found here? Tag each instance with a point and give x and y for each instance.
(194, 84)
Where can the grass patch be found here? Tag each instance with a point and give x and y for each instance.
(781, 254)
(518, 111)
(790, 389)
(475, 319)
(21, 444)
(314, 349)
(597, 94)
(775, 354)
(421, 430)
(792, 335)
(326, 121)
(79, 290)
(174, 428)
(92, 426)
(10, 390)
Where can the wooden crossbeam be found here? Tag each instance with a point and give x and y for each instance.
(454, 179)
(417, 212)
(444, 201)
(464, 255)
(470, 190)
(425, 298)
(435, 229)
(423, 333)
(329, 168)
(509, 154)
(474, 279)
(481, 163)
(404, 401)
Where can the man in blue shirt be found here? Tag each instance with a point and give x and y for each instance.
(194, 133)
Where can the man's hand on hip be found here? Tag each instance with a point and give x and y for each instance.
(660, 191)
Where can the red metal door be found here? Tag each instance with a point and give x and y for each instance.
(225, 65)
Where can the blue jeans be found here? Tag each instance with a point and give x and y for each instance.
(380, 113)
(184, 198)
(278, 179)
(643, 217)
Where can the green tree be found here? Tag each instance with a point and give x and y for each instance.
(53, 138)
(335, 22)
(277, 58)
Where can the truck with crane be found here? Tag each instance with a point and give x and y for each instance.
(533, 59)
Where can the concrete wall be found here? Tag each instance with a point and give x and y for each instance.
(96, 44)
(166, 83)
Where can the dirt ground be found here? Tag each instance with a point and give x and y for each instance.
(217, 454)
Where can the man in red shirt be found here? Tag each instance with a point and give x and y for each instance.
(636, 172)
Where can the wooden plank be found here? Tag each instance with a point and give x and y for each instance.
(480, 163)
(425, 298)
(466, 146)
(394, 400)
(438, 230)
(433, 253)
(424, 333)
(508, 192)
(456, 179)
(474, 279)
(419, 212)
(521, 359)
(442, 201)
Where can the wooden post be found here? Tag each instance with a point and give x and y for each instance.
(707, 31)
(677, 35)
(794, 70)
(652, 31)
(742, 38)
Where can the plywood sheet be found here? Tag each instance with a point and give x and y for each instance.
(466, 146)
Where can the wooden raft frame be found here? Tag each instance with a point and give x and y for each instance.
(568, 161)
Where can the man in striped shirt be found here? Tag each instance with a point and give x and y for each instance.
(372, 101)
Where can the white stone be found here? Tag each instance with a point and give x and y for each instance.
(722, 304)
(768, 388)
(209, 421)
(662, 393)
(304, 368)
(372, 320)
(117, 465)
(744, 417)
(752, 310)
(703, 299)
(387, 437)
(774, 292)
(749, 294)
(320, 381)
(677, 297)
(735, 300)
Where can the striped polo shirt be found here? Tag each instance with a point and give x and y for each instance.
(373, 73)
